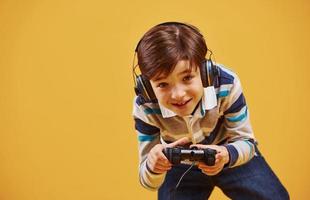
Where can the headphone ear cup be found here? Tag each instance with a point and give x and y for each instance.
(144, 89)
(140, 89)
(213, 73)
(203, 74)
(209, 73)
(148, 88)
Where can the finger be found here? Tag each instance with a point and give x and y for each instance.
(219, 156)
(211, 173)
(157, 167)
(164, 163)
(159, 171)
(212, 170)
(163, 159)
(199, 146)
(215, 168)
(204, 146)
(158, 153)
(180, 142)
(162, 168)
(158, 160)
(222, 157)
(204, 166)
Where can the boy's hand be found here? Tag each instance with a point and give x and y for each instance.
(221, 158)
(157, 161)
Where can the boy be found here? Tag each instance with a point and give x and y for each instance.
(183, 99)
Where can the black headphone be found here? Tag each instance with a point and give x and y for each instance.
(209, 73)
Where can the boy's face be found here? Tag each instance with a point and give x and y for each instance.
(181, 90)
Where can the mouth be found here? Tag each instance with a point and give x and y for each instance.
(181, 104)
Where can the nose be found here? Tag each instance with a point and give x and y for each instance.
(178, 92)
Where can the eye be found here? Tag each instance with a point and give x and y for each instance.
(162, 85)
(188, 78)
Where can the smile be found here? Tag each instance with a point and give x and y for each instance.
(181, 104)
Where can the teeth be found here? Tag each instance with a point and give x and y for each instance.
(180, 103)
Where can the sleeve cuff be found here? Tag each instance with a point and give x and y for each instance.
(233, 155)
(150, 179)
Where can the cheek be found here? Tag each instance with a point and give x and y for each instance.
(161, 96)
(164, 98)
(197, 89)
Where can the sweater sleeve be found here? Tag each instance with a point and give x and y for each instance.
(241, 141)
(148, 137)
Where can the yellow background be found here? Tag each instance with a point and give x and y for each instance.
(66, 90)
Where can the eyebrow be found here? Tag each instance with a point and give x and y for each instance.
(186, 71)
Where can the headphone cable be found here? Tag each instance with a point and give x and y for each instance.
(177, 185)
(134, 69)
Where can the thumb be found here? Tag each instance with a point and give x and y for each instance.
(180, 142)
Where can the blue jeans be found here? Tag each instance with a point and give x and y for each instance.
(253, 180)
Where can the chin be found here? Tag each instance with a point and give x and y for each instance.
(183, 112)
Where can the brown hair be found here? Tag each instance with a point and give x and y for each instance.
(164, 45)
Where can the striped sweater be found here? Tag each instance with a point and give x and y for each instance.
(221, 118)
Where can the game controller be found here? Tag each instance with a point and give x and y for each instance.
(177, 154)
